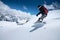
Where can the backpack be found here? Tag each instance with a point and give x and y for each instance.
(45, 10)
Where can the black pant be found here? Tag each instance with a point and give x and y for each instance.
(42, 17)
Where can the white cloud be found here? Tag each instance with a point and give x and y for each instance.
(54, 5)
(49, 6)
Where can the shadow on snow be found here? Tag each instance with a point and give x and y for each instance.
(36, 26)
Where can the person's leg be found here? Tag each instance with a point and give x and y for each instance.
(42, 17)
(39, 20)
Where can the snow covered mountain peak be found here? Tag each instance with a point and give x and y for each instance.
(8, 14)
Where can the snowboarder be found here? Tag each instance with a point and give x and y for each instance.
(43, 11)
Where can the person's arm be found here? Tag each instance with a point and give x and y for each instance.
(38, 13)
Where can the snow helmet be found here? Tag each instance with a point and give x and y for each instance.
(39, 6)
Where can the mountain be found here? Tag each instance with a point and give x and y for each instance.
(13, 15)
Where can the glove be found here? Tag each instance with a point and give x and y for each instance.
(37, 15)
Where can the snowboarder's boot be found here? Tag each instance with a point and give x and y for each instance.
(39, 20)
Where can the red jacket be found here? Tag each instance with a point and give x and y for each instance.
(43, 9)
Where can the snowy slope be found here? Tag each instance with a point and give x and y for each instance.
(49, 31)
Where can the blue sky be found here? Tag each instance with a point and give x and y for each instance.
(27, 5)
